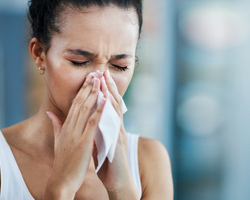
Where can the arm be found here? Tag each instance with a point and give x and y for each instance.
(116, 176)
(155, 170)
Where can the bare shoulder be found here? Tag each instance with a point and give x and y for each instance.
(155, 170)
(12, 129)
(13, 133)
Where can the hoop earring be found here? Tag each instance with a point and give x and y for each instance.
(41, 71)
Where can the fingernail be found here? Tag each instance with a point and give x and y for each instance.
(88, 78)
(106, 95)
(103, 101)
(49, 114)
(98, 74)
(108, 73)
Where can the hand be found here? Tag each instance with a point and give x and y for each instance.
(74, 141)
(116, 176)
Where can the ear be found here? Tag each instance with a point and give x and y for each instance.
(37, 51)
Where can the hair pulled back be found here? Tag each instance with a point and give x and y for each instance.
(44, 14)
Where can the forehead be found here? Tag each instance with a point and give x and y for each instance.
(94, 12)
(95, 26)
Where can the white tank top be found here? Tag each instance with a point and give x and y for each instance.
(13, 186)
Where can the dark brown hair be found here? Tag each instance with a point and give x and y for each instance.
(44, 14)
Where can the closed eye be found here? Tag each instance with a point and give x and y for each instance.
(79, 63)
(119, 67)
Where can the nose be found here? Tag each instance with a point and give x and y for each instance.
(100, 66)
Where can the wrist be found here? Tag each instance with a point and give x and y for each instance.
(131, 193)
(57, 191)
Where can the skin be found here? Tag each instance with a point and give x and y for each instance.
(54, 150)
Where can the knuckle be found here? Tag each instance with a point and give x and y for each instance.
(91, 83)
(94, 90)
(85, 85)
(78, 100)
(120, 101)
(99, 110)
(72, 140)
(92, 122)
(84, 108)
(117, 106)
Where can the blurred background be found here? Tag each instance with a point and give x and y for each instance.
(191, 89)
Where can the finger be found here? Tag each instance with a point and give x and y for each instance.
(56, 123)
(98, 74)
(114, 96)
(112, 89)
(93, 121)
(79, 100)
(104, 87)
(87, 108)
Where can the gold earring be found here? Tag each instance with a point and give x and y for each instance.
(41, 71)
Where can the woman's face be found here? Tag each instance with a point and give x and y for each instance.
(95, 39)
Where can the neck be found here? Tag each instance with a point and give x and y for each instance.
(41, 127)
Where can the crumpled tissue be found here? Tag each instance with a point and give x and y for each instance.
(109, 127)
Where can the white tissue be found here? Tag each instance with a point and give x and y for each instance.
(109, 127)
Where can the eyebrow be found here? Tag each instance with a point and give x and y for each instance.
(80, 52)
(121, 56)
(87, 53)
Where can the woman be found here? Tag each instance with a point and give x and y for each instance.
(54, 149)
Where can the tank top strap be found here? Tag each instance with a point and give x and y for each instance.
(132, 142)
(12, 184)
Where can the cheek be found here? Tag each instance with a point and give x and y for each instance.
(122, 82)
(62, 78)
(63, 83)
(63, 74)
